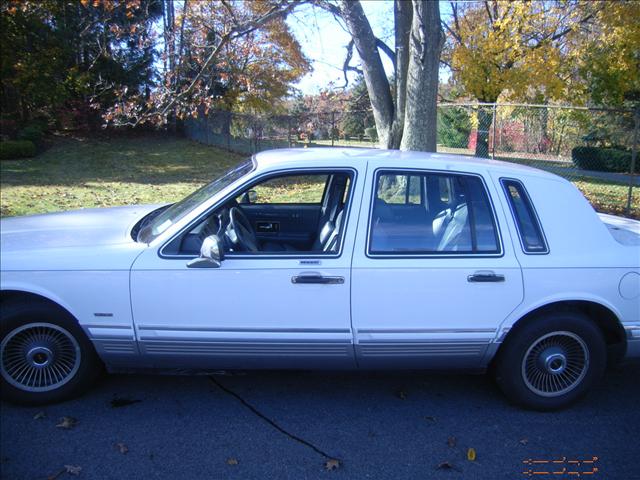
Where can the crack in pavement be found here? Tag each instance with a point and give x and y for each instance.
(261, 415)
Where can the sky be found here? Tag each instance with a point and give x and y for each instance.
(324, 42)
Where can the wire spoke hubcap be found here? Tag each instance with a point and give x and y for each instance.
(555, 364)
(39, 357)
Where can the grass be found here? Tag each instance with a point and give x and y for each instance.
(77, 173)
(609, 197)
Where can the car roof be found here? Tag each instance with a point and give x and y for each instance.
(351, 156)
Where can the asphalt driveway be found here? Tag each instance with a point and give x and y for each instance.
(291, 425)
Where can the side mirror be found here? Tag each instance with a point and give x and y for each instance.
(211, 254)
(250, 196)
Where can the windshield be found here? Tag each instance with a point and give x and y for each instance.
(178, 210)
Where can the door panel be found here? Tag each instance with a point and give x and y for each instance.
(246, 314)
(425, 316)
(296, 224)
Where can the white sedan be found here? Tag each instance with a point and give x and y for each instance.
(328, 259)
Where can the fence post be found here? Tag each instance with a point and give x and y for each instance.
(634, 154)
(206, 129)
(495, 118)
(228, 121)
(333, 126)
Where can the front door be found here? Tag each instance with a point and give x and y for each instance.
(265, 309)
(432, 277)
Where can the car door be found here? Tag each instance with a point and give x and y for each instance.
(255, 311)
(432, 275)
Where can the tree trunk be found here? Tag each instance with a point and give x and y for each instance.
(402, 15)
(374, 74)
(409, 120)
(426, 44)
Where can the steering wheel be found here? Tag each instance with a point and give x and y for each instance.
(240, 231)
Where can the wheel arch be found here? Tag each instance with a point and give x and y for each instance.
(16, 295)
(602, 316)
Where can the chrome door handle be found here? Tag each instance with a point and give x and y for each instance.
(306, 279)
(485, 277)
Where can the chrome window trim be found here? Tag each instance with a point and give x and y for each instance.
(248, 184)
(536, 218)
(410, 255)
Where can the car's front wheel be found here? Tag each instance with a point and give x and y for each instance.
(45, 357)
(551, 361)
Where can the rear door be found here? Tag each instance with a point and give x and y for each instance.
(432, 275)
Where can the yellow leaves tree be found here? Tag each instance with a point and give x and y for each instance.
(609, 60)
(512, 50)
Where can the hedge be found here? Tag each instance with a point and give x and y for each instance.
(602, 159)
(32, 133)
(13, 149)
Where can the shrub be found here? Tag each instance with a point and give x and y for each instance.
(32, 133)
(372, 133)
(17, 149)
(602, 159)
(454, 127)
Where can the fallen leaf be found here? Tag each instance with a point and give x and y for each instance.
(122, 448)
(39, 415)
(232, 461)
(430, 419)
(451, 441)
(118, 402)
(445, 466)
(523, 441)
(73, 469)
(401, 394)
(332, 464)
(471, 454)
(56, 475)
(67, 423)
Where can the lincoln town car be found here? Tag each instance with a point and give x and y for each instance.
(328, 259)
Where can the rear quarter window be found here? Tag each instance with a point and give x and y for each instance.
(525, 217)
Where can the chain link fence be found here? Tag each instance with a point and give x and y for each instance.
(594, 148)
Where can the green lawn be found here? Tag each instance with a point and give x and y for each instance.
(77, 173)
(96, 173)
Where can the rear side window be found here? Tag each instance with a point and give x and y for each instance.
(431, 213)
(529, 229)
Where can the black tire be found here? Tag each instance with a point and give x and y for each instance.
(548, 342)
(40, 318)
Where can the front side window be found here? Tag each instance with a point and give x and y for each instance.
(292, 189)
(283, 214)
(529, 229)
(431, 213)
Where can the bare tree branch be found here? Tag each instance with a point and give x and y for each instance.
(386, 49)
(348, 68)
(453, 34)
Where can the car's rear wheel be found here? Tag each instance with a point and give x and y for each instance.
(45, 357)
(551, 361)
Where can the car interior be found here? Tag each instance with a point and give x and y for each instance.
(426, 213)
(280, 215)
